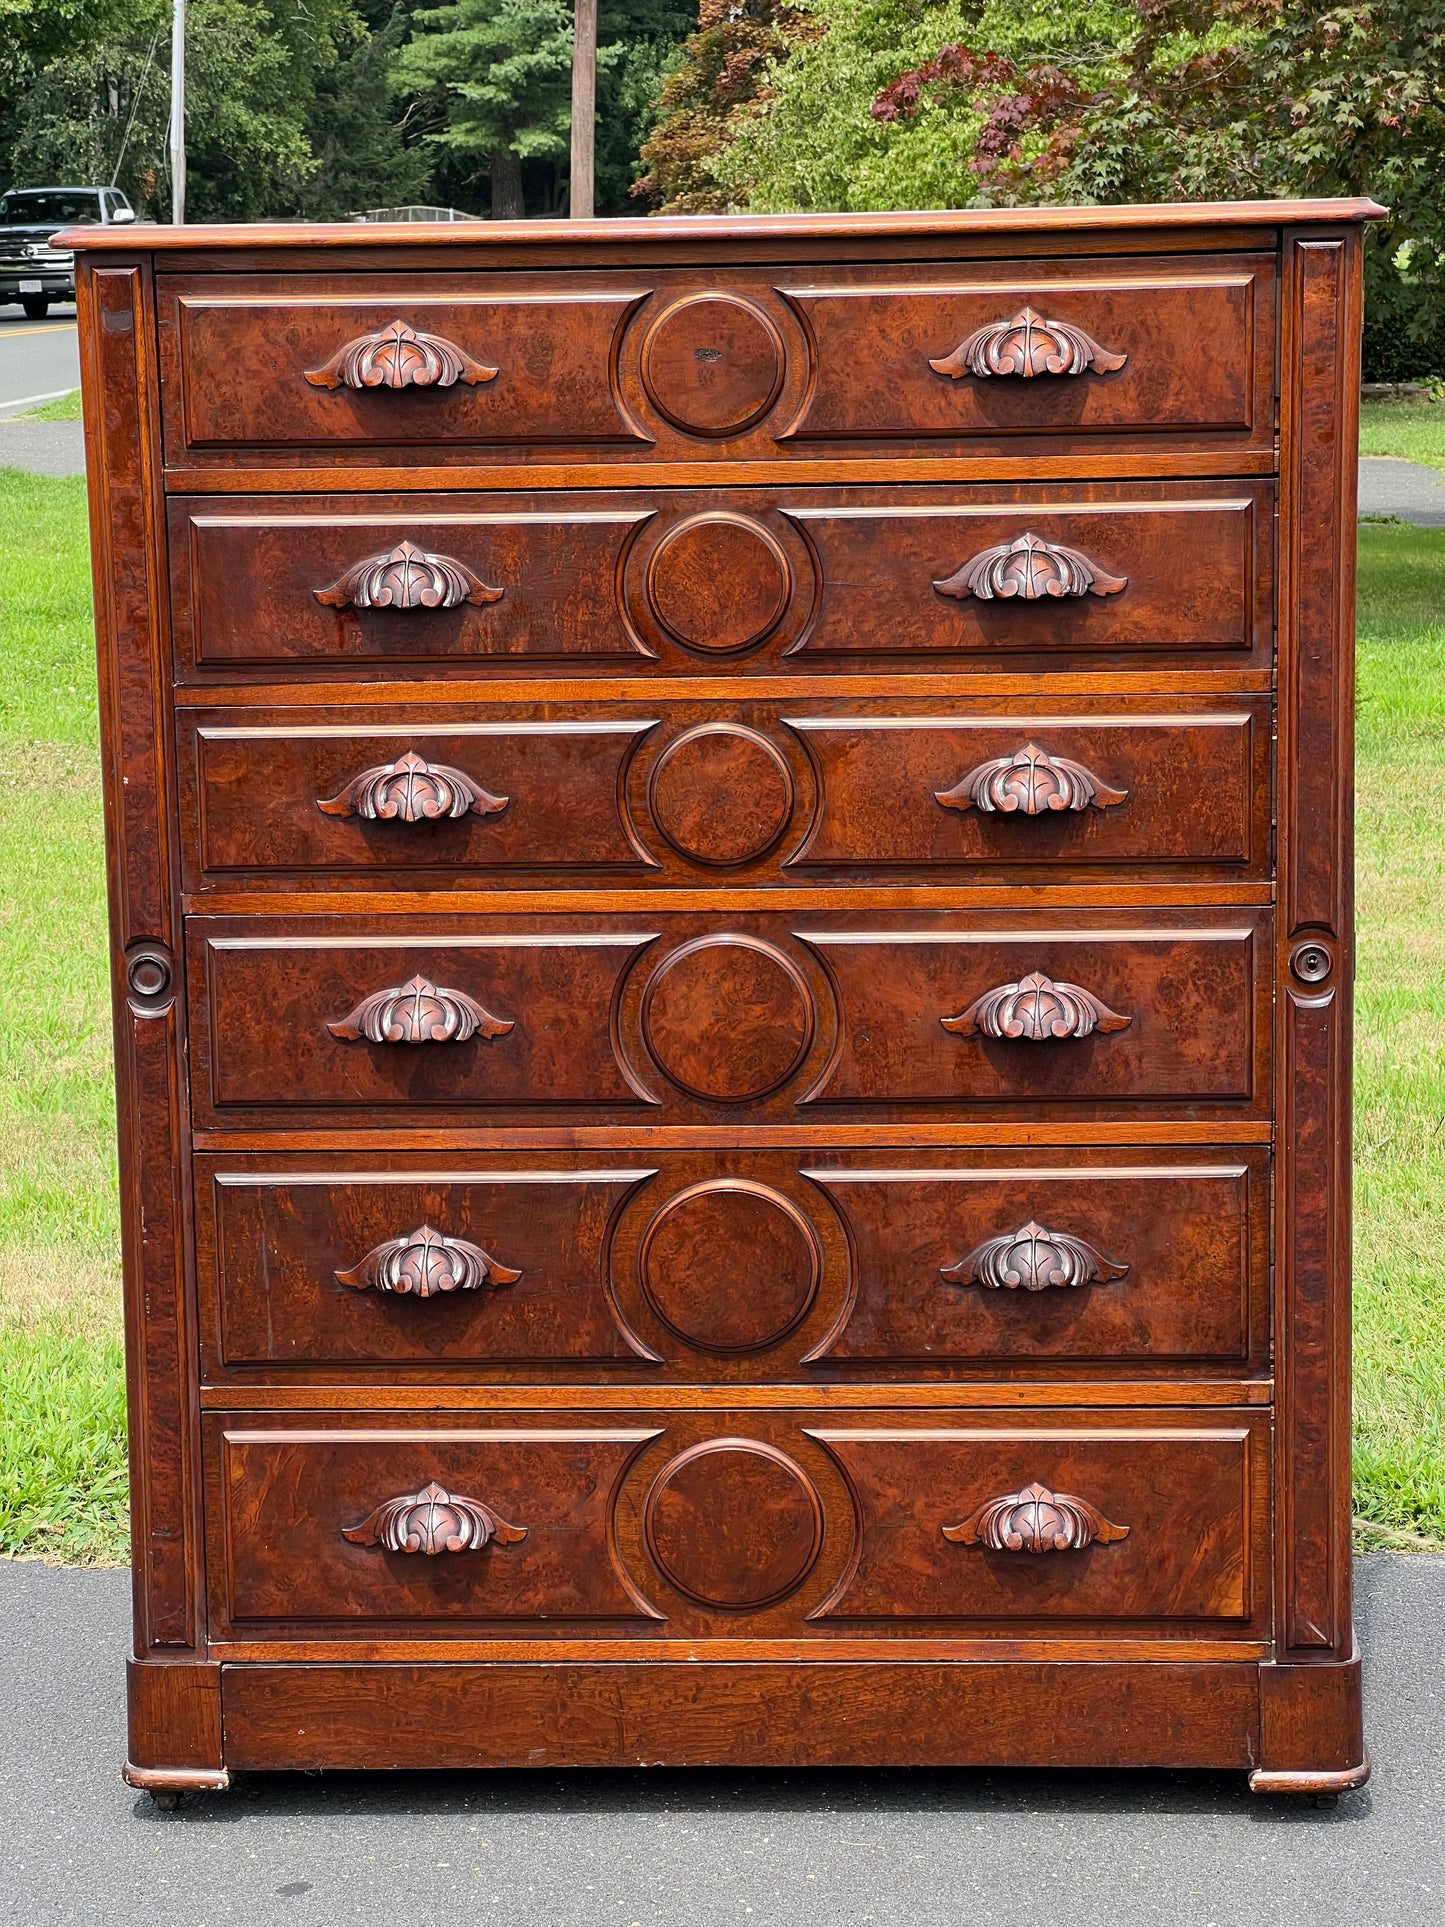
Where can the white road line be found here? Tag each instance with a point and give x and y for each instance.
(29, 401)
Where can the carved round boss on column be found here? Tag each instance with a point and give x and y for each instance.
(727, 1018)
(1311, 961)
(712, 364)
(719, 583)
(730, 1265)
(148, 972)
(734, 1523)
(721, 794)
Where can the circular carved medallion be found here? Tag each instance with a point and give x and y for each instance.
(721, 794)
(713, 364)
(727, 1018)
(729, 1265)
(718, 582)
(734, 1523)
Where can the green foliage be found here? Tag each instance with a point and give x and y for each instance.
(815, 143)
(903, 103)
(1415, 431)
(492, 80)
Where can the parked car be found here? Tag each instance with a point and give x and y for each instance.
(33, 272)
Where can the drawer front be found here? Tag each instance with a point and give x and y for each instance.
(1188, 349)
(739, 1266)
(760, 1017)
(1053, 1523)
(705, 582)
(701, 792)
(510, 1523)
(272, 369)
(724, 1524)
(691, 365)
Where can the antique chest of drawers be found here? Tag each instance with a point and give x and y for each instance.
(730, 884)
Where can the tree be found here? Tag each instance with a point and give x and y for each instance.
(902, 103)
(491, 83)
(502, 72)
(707, 94)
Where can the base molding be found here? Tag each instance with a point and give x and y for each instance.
(768, 1714)
(1306, 1780)
(176, 1779)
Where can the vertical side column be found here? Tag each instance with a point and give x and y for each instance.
(1310, 1711)
(174, 1698)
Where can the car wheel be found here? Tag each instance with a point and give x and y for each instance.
(36, 306)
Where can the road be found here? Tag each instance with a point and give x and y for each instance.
(38, 359)
(702, 1849)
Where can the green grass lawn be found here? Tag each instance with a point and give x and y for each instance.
(62, 1469)
(1414, 430)
(65, 408)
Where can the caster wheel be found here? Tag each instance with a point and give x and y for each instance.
(166, 1802)
(1327, 1799)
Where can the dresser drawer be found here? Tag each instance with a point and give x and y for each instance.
(724, 581)
(1068, 349)
(733, 1266)
(693, 1016)
(703, 365)
(1059, 1520)
(678, 1522)
(737, 790)
(331, 363)
(423, 1526)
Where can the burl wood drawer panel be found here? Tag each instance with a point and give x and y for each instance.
(699, 364)
(697, 792)
(300, 1526)
(741, 581)
(733, 1266)
(679, 1522)
(696, 1016)
(1054, 1522)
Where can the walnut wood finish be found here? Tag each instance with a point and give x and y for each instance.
(733, 1034)
(857, 1267)
(697, 792)
(779, 1524)
(752, 579)
(682, 1018)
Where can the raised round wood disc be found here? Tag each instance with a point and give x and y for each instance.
(734, 1523)
(721, 794)
(713, 364)
(718, 582)
(729, 1265)
(727, 1018)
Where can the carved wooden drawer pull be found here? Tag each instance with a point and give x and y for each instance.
(1036, 1520)
(1035, 1008)
(412, 790)
(1030, 568)
(1027, 345)
(432, 1521)
(407, 577)
(1031, 1259)
(418, 1013)
(1029, 783)
(423, 1263)
(400, 356)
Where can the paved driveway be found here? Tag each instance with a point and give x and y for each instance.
(703, 1849)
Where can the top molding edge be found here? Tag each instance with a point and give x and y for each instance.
(146, 238)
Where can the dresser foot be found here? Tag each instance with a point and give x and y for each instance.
(166, 1784)
(1326, 1787)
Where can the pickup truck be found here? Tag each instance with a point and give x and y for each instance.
(33, 272)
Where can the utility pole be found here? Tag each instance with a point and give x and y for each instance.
(580, 195)
(178, 112)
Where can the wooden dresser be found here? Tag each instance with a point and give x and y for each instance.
(731, 895)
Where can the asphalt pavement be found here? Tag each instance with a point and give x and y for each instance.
(702, 1849)
(39, 360)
